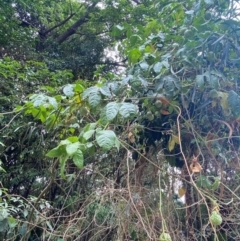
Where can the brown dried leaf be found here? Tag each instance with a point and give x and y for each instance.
(131, 137)
(165, 112)
(195, 167)
(181, 192)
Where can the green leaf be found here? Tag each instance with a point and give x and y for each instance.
(90, 91)
(234, 103)
(56, 152)
(134, 55)
(200, 81)
(64, 142)
(144, 65)
(72, 148)
(53, 102)
(203, 182)
(72, 139)
(112, 110)
(94, 99)
(106, 139)
(105, 91)
(157, 67)
(79, 88)
(78, 159)
(68, 90)
(127, 109)
(12, 222)
(103, 117)
(3, 224)
(88, 134)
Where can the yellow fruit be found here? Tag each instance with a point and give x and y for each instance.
(215, 218)
(165, 237)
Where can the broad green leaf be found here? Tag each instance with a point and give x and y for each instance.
(203, 182)
(68, 90)
(94, 99)
(105, 91)
(127, 109)
(144, 65)
(157, 67)
(234, 103)
(38, 99)
(78, 159)
(89, 126)
(53, 102)
(56, 152)
(64, 142)
(79, 88)
(72, 148)
(112, 110)
(134, 55)
(200, 81)
(90, 91)
(106, 139)
(72, 139)
(88, 134)
(12, 222)
(103, 117)
(23, 229)
(216, 183)
(3, 224)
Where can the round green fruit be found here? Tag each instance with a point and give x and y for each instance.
(158, 104)
(207, 16)
(165, 237)
(213, 94)
(215, 218)
(150, 116)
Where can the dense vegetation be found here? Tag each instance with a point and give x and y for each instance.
(119, 120)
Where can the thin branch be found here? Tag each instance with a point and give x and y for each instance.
(73, 29)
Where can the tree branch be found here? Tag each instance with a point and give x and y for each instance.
(72, 30)
(63, 22)
(58, 25)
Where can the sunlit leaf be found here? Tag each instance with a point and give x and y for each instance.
(68, 90)
(78, 159)
(72, 148)
(56, 152)
(157, 67)
(203, 182)
(94, 99)
(88, 134)
(112, 110)
(127, 109)
(171, 144)
(106, 139)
